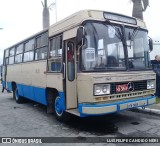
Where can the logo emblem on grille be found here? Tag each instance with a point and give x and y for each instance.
(130, 86)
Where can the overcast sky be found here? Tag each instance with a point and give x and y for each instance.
(22, 18)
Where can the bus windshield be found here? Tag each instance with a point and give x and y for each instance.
(104, 49)
(138, 48)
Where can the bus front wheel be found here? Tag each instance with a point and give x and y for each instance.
(60, 114)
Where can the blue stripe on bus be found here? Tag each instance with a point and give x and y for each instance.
(9, 86)
(35, 93)
(81, 105)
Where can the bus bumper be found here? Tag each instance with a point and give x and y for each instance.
(108, 108)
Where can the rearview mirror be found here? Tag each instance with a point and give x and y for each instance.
(80, 36)
(150, 44)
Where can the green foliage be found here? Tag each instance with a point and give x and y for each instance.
(157, 100)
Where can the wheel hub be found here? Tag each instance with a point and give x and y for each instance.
(58, 106)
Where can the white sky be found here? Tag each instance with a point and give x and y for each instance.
(22, 18)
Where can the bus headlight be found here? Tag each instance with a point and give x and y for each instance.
(101, 89)
(150, 84)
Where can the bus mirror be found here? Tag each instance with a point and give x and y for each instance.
(150, 44)
(80, 36)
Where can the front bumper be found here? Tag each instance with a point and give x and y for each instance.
(101, 109)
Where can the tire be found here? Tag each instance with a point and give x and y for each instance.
(59, 111)
(14, 90)
(14, 93)
(19, 99)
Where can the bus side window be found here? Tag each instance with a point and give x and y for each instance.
(55, 54)
(70, 61)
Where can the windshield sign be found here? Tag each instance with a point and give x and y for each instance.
(121, 18)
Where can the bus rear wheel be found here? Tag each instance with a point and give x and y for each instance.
(14, 94)
(14, 91)
(60, 114)
(19, 99)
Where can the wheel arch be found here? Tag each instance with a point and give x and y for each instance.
(51, 94)
(14, 85)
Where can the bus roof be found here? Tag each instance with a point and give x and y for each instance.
(78, 17)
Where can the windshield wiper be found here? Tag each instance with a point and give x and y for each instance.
(120, 36)
(131, 37)
(134, 33)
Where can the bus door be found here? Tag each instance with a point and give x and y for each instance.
(70, 78)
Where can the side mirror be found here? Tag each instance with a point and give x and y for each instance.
(80, 36)
(150, 44)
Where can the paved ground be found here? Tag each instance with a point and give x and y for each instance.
(155, 106)
(30, 119)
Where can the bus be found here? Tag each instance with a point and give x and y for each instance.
(89, 64)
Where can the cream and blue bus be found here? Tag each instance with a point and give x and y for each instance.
(88, 64)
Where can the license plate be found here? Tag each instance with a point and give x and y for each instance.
(122, 88)
(133, 104)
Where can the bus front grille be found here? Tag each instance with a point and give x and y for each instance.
(137, 86)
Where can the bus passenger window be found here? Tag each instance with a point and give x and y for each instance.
(55, 54)
(41, 47)
(70, 61)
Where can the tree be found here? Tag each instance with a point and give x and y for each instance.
(45, 15)
(139, 6)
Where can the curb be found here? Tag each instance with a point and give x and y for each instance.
(155, 111)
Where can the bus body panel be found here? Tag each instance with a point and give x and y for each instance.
(30, 73)
(32, 81)
(55, 80)
(86, 82)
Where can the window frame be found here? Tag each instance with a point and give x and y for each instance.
(28, 52)
(32, 50)
(41, 47)
(6, 57)
(11, 55)
(55, 57)
(17, 47)
(17, 54)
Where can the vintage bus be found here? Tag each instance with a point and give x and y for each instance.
(88, 64)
